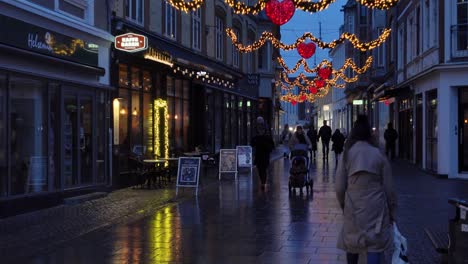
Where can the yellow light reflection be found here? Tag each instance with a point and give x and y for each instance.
(164, 236)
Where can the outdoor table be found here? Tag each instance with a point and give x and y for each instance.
(156, 172)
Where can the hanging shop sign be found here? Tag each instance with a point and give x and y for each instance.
(358, 102)
(159, 56)
(131, 42)
(30, 37)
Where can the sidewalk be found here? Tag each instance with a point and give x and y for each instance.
(229, 222)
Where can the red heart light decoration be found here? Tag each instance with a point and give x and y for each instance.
(319, 83)
(306, 50)
(313, 89)
(293, 102)
(303, 97)
(324, 73)
(280, 12)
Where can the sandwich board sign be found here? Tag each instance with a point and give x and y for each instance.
(227, 161)
(188, 173)
(244, 157)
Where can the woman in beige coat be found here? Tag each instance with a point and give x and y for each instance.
(365, 192)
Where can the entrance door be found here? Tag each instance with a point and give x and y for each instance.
(78, 151)
(419, 125)
(463, 128)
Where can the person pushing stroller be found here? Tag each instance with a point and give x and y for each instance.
(299, 173)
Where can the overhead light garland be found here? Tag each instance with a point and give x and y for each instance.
(357, 44)
(304, 5)
(378, 4)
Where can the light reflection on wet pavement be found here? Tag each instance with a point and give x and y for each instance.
(228, 223)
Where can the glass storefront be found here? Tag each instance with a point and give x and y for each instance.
(431, 131)
(49, 139)
(405, 128)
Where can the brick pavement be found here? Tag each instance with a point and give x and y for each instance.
(229, 223)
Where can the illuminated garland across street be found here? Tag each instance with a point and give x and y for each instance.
(349, 63)
(362, 46)
(305, 5)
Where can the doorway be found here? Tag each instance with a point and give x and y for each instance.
(463, 129)
(78, 139)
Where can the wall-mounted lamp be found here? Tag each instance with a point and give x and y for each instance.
(135, 112)
(123, 111)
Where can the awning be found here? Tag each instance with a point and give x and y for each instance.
(386, 93)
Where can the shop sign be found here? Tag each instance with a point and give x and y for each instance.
(26, 36)
(188, 172)
(252, 79)
(227, 161)
(358, 102)
(159, 56)
(131, 42)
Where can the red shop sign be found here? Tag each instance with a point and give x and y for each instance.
(131, 42)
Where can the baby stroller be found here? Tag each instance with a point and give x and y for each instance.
(299, 172)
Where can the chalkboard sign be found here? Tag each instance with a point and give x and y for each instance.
(188, 172)
(227, 161)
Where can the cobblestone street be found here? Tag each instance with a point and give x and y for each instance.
(229, 222)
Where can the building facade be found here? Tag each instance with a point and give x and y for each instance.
(190, 83)
(54, 99)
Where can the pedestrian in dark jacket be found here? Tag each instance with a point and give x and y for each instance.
(263, 145)
(338, 140)
(325, 133)
(390, 136)
(312, 135)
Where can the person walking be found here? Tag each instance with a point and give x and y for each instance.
(299, 137)
(364, 189)
(263, 145)
(325, 133)
(390, 136)
(285, 137)
(338, 140)
(312, 135)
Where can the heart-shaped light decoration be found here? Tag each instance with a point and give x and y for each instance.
(324, 73)
(313, 89)
(306, 50)
(293, 102)
(319, 83)
(280, 12)
(303, 97)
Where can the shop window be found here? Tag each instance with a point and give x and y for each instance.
(86, 139)
(186, 112)
(76, 8)
(178, 113)
(54, 134)
(3, 149)
(147, 81)
(28, 136)
(102, 120)
(148, 122)
(134, 10)
(136, 126)
(136, 84)
(123, 121)
(123, 75)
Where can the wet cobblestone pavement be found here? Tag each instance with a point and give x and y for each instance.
(237, 222)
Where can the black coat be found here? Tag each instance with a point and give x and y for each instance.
(312, 134)
(263, 145)
(390, 136)
(325, 133)
(338, 142)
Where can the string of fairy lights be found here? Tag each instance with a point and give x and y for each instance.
(305, 5)
(268, 36)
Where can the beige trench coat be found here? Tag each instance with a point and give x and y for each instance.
(365, 192)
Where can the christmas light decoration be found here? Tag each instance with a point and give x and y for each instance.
(306, 50)
(379, 4)
(357, 44)
(280, 12)
(159, 151)
(349, 63)
(305, 5)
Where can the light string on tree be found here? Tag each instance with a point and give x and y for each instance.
(304, 5)
(266, 35)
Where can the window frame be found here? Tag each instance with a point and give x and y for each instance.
(129, 14)
(196, 20)
(170, 15)
(220, 25)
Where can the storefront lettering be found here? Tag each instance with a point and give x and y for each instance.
(158, 56)
(131, 42)
(35, 43)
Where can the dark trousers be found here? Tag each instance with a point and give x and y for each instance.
(325, 148)
(390, 150)
(262, 172)
(372, 258)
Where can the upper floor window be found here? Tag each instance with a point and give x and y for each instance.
(350, 24)
(250, 56)
(196, 29)
(134, 10)
(381, 52)
(219, 27)
(170, 29)
(461, 30)
(74, 8)
(400, 47)
(363, 15)
(235, 52)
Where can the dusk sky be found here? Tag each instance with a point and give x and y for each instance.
(331, 19)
